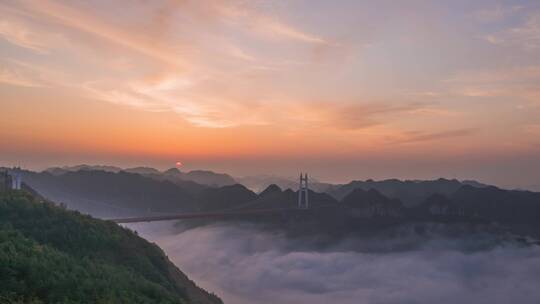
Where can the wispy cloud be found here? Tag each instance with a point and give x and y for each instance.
(358, 115)
(191, 67)
(13, 77)
(497, 12)
(22, 36)
(20, 73)
(175, 93)
(525, 36)
(421, 136)
(279, 29)
(265, 25)
(82, 21)
(519, 83)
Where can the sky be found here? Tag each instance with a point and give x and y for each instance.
(341, 89)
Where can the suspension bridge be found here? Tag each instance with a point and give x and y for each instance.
(303, 204)
(185, 216)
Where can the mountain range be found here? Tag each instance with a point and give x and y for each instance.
(123, 194)
(410, 192)
(258, 183)
(203, 177)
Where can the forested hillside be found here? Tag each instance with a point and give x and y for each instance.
(52, 255)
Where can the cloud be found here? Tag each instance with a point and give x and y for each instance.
(78, 19)
(497, 13)
(416, 136)
(14, 77)
(175, 93)
(20, 73)
(203, 75)
(202, 72)
(188, 95)
(525, 36)
(279, 29)
(245, 265)
(21, 36)
(265, 25)
(517, 82)
(359, 115)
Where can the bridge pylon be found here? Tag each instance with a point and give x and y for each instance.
(16, 178)
(303, 192)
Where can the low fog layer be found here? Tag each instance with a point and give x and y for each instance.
(245, 265)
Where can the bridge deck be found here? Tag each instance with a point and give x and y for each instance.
(198, 215)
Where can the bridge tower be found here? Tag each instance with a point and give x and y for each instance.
(303, 198)
(16, 178)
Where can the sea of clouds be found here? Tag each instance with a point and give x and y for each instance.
(244, 265)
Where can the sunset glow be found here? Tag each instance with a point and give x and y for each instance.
(358, 90)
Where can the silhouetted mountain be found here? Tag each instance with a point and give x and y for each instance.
(191, 187)
(474, 183)
(498, 204)
(273, 197)
(56, 171)
(226, 197)
(172, 171)
(535, 188)
(490, 203)
(371, 203)
(273, 189)
(142, 170)
(173, 175)
(210, 178)
(201, 177)
(436, 205)
(107, 194)
(409, 192)
(367, 211)
(260, 182)
(64, 169)
(319, 199)
(125, 194)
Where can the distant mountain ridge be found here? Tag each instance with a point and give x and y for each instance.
(410, 192)
(84, 167)
(128, 194)
(362, 210)
(258, 183)
(371, 203)
(106, 194)
(203, 177)
(142, 170)
(122, 194)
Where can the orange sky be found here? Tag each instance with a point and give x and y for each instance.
(344, 90)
